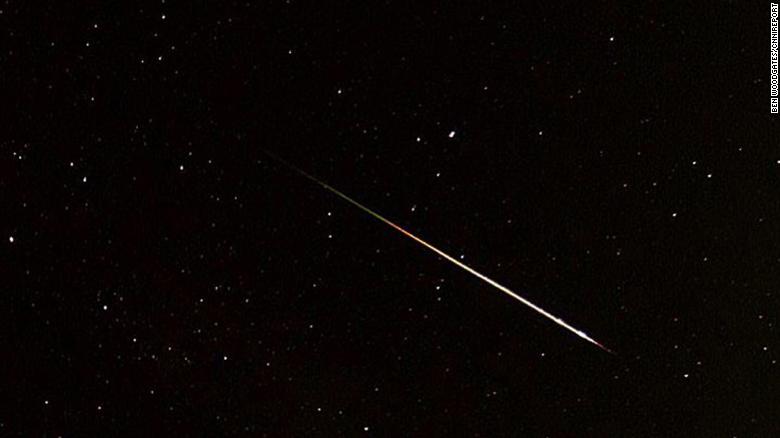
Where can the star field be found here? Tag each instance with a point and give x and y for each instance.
(613, 163)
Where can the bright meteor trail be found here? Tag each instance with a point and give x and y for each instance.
(441, 253)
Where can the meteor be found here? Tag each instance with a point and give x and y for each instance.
(441, 253)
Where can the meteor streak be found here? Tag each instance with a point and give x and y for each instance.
(441, 253)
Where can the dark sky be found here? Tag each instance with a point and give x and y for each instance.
(613, 162)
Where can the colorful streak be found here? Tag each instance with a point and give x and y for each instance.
(446, 256)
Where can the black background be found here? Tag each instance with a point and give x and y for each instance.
(613, 162)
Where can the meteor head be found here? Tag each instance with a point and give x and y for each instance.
(583, 335)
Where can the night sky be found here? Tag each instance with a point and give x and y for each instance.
(613, 162)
